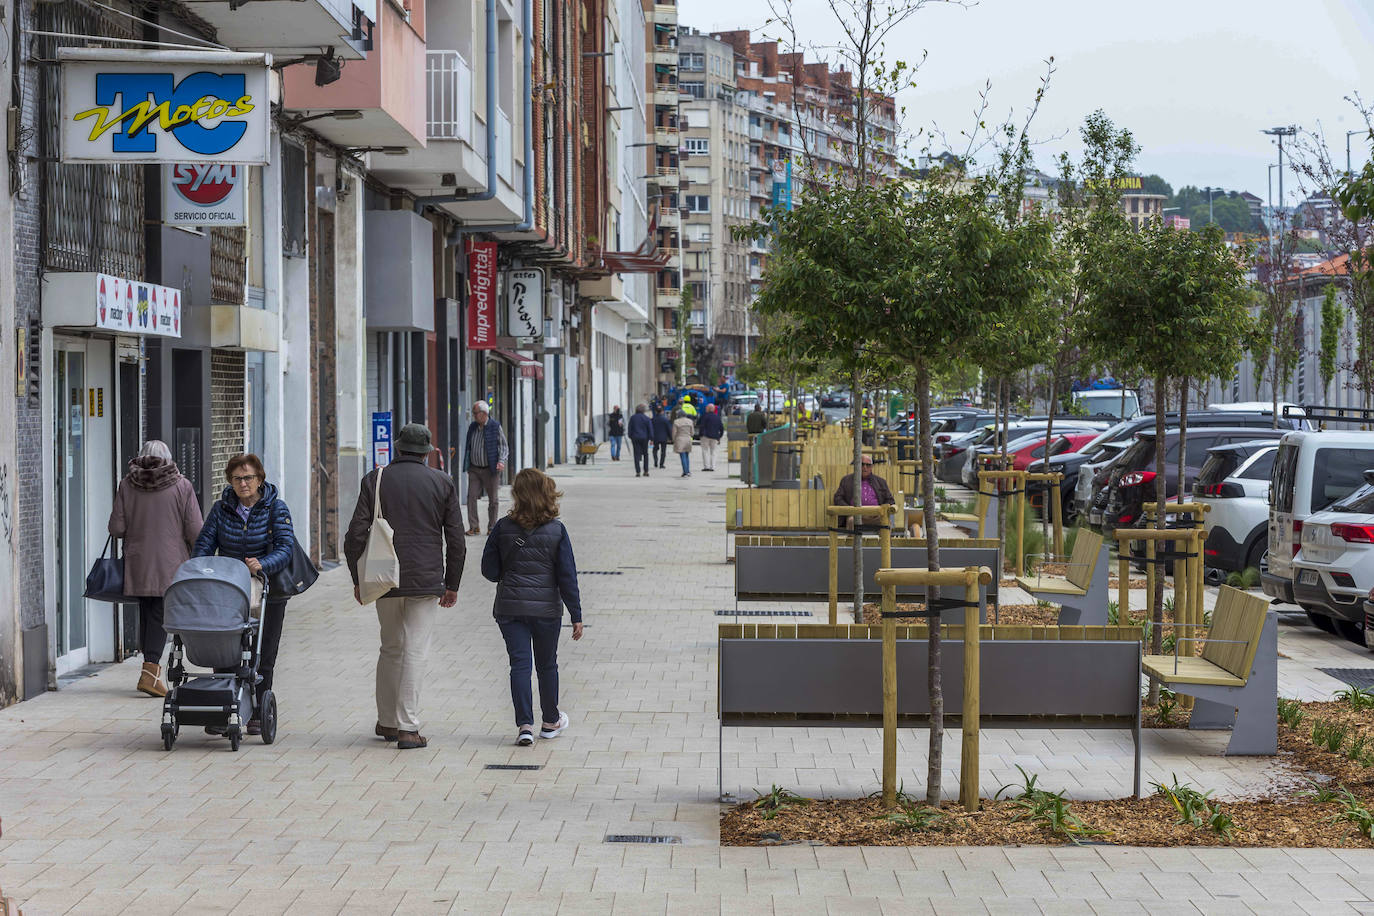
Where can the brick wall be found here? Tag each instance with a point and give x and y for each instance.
(226, 408)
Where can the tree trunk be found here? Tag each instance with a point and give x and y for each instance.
(856, 421)
(1045, 508)
(1183, 442)
(1004, 396)
(935, 683)
(1157, 599)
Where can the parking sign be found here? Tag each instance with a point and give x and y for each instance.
(381, 438)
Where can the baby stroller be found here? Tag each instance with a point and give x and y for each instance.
(207, 611)
(586, 447)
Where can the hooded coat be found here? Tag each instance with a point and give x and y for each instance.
(156, 513)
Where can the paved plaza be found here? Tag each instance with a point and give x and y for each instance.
(98, 819)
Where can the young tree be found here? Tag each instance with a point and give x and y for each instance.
(1333, 319)
(1172, 303)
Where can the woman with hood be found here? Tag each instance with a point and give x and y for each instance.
(251, 523)
(156, 513)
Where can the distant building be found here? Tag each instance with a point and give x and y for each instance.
(1141, 207)
(1178, 222)
(1255, 204)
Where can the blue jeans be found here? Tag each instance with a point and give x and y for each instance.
(615, 447)
(686, 462)
(540, 633)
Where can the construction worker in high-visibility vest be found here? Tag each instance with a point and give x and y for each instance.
(867, 422)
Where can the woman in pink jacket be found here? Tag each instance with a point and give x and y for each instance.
(156, 513)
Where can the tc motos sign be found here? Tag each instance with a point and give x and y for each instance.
(202, 194)
(164, 106)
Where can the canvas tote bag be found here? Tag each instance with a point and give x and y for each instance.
(378, 571)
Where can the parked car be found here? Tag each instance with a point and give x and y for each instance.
(1121, 503)
(1107, 402)
(1334, 569)
(1234, 483)
(1094, 474)
(1019, 435)
(1311, 471)
(1028, 453)
(835, 399)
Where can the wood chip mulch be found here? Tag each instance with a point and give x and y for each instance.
(1016, 614)
(1290, 817)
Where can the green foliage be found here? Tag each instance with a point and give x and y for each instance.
(1355, 812)
(1321, 793)
(1333, 319)
(1330, 735)
(776, 800)
(1250, 577)
(1031, 538)
(1229, 210)
(1071, 538)
(1113, 614)
(1355, 697)
(1358, 749)
(1235, 581)
(1051, 811)
(1168, 702)
(1290, 712)
(916, 817)
(1028, 787)
(1195, 809)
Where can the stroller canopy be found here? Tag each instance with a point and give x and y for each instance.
(208, 594)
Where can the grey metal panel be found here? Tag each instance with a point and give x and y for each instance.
(843, 677)
(765, 572)
(35, 640)
(399, 271)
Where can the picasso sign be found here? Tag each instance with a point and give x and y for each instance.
(164, 106)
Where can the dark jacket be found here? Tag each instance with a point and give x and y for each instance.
(663, 427)
(534, 571)
(756, 422)
(712, 427)
(267, 534)
(493, 438)
(641, 427)
(421, 504)
(615, 424)
(156, 513)
(844, 493)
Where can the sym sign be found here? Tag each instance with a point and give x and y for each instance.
(525, 303)
(203, 194)
(481, 295)
(164, 106)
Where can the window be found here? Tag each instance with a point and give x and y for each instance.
(699, 203)
(696, 146)
(695, 90)
(1262, 466)
(693, 61)
(1338, 472)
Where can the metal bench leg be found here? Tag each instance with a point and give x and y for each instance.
(1256, 730)
(1070, 615)
(1210, 715)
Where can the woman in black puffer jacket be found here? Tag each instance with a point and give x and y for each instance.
(529, 557)
(251, 523)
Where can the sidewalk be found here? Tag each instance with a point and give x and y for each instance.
(97, 818)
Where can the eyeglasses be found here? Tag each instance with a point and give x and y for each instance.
(248, 479)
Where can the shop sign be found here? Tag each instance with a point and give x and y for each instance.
(164, 106)
(134, 307)
(525, 304)
(203, 194)
(481, 295)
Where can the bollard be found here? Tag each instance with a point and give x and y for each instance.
(968, 723)
(834, 577)
(832, 516)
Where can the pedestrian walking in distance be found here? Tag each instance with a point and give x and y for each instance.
(156, 513)
(757, 421)
(484, 459)
(530, 558)
(663, 436)
(615, 431)
(683, 427)
(641, 431)
(421, 505)
(251, 522)
(712, 431)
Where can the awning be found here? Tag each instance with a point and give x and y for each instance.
(529, 367)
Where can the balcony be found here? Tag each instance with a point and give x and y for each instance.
(663, 14)
(666, 95)
(666, 339)
(448, 80)
(610, 288)
(289, 30)
(670, 218)
(665, 56)
(666, 175)
(668, 297)
(666, 136)
(387, 88)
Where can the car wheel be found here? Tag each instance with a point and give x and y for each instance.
(1255, 555)
(1320, 621)
(1352, 631)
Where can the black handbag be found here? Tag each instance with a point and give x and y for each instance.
(105, 581)
(295, 577)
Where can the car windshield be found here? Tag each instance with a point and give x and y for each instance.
(1338, 472)
(1218, 466)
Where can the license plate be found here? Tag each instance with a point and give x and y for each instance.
(1094, 517)
(1307, 577)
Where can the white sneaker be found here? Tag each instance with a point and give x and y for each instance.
(546, 732)
(525, 738)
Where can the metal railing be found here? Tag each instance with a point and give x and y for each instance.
(449, 85)
(504, 157)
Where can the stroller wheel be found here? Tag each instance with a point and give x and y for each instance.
(169, 737)
(267, 715)
(235, 736)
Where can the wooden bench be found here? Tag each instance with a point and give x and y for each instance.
(808, 676)
(1235, 682)
(979, 523)
(1082, 593)
(763, 509)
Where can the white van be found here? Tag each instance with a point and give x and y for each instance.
(1107, 402)
(1311, 471)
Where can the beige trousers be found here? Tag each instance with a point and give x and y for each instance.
(406, 625)
(708, 453)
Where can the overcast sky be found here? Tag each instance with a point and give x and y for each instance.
(1194, 80)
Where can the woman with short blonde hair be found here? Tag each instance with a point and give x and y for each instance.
(529, 556)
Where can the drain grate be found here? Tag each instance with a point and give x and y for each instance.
(514, 766)
(598, 572)
(640, 838)
(729, 613)
(1355, 677)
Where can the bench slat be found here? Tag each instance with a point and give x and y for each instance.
(1190, 671)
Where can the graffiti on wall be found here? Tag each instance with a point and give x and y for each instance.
(6, 504)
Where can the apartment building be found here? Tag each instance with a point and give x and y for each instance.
(664, 182)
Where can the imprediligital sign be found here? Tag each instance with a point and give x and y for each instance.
(481, 295)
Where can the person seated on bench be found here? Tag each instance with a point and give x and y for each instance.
(874, 491)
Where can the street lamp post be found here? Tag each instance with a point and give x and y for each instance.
(1348, 135)
(1209, 189)
(1281, 132)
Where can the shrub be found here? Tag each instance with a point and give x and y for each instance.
(1355, 697)
(1194, 808)
(1290, 712)
(777, 799)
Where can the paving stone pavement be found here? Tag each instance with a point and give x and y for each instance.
(97, 818)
